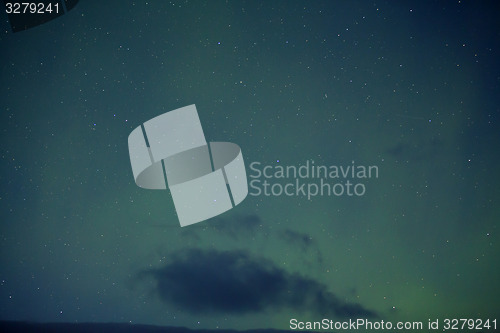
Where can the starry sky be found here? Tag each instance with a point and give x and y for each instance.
(411, 87)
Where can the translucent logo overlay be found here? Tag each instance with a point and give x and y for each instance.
(205, 179)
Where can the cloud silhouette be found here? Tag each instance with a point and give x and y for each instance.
(303, 240)
(236, 227)
(233, 282)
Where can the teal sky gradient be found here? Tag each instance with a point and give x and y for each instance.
(411, 87)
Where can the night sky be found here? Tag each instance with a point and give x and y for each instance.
(412, 87)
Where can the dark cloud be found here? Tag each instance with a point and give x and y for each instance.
(422, 150)
(236, 226)
(190, 234)
(302, 241)
(297, 238)
(234, 282)
(239, 225)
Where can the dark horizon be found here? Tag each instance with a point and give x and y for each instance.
(29, 327)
